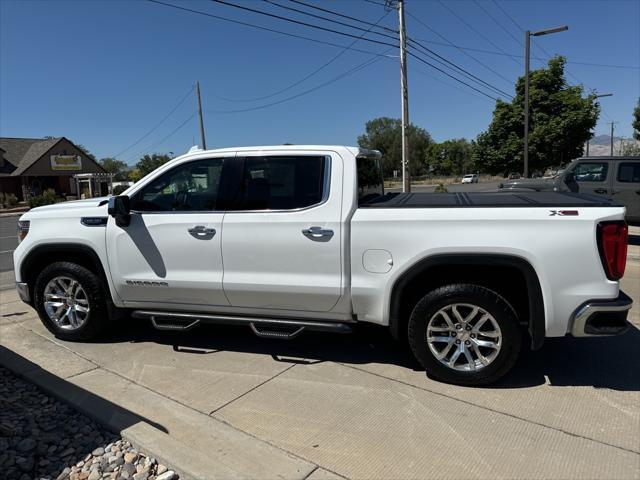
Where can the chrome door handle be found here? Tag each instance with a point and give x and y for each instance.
(317, 232)
(602, 191)
(201, 230)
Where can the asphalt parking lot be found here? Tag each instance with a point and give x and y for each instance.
(356, 406)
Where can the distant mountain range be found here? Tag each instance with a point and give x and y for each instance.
(600, 145)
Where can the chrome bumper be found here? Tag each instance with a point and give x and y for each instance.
(23, 291)
(601, 317)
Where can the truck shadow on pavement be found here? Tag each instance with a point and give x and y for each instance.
(609, 362)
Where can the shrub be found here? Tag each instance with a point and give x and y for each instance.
(8, 200)
(440, 188)
(47, 198)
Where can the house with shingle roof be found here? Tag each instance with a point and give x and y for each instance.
(29, 166)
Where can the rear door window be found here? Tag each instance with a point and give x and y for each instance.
(629, 172)
(282, 182)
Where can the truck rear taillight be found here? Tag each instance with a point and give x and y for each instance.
(612, 245)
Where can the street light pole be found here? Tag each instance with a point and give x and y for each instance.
(598, 96)
(527, 59)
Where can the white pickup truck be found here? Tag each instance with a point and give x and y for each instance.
(291, 238)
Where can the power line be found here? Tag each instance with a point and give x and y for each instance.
(479, 5)
(293, 97)
(449, 75)
(472, 28)
(260, 27)
(306, 77)
(343, 15)
(157, 124)
(299, 22)
(413, 68)
(443, 61)
(162, 140)
(313, 15)
(514, 55)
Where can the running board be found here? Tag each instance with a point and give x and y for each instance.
(263, 327)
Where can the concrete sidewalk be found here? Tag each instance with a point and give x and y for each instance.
(219, 403)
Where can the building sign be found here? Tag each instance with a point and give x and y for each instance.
(66, 162)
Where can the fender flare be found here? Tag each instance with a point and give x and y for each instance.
(49, 249)
(536, 325)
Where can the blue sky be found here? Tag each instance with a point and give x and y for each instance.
(104, 73)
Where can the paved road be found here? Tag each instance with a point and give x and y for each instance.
(8, 243)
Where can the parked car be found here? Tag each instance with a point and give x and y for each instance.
(470, 178)
(514, 176)
(292, 238)
(615, 177)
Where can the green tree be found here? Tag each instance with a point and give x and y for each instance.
(385, 134)
(560, 122)
(149, 163)
(636, 121)
(451, 157)
(86, 151)
(118, 168)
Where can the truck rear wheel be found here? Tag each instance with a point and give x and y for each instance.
(70, 301)
(464, 334)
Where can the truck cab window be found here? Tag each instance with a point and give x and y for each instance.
(282, 182)
(370, 184)
(191, 186)
(591, 171)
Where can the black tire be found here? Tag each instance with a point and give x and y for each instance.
(486, 299)
(98, 316)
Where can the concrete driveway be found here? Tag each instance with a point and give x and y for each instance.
(357, 406)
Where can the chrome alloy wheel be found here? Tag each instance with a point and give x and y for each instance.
(464, 337)
(66, 303)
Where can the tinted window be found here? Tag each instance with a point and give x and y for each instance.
(629, 172)
(282, 182)
(591, 171)
(370, 183)
(191, 186)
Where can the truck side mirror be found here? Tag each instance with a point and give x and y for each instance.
(120, 210)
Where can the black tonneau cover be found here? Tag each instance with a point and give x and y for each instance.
(489, 200)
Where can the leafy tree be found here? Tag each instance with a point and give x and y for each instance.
(134, 175)
(560, 122)
(630, 149)
(149, 163)
(385, 134)
(86, 151)
(118, 168)
(451, 157)
(636, 121)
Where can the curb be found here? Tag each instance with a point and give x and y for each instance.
(146, 438)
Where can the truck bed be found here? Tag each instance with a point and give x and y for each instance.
(489, 200)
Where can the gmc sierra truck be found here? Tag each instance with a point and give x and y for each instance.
(292, 238)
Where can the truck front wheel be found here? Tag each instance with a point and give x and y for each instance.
(464, 334)
(70, 301)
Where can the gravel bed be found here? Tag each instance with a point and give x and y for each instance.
(43, 438)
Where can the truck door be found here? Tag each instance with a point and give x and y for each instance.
(594, 176)
(282, 235)
(171, 251)
(626, 187)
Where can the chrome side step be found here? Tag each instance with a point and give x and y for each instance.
(263, 327)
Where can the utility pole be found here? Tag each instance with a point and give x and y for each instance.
(404, 90)
(527, 53)
(612, 138)
(202, 139)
